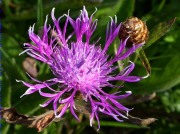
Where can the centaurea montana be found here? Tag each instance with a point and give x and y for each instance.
(80, 66)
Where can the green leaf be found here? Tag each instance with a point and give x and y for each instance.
(144, 60)
(39, 13)
(126, 9)
(7, 89)
(122, 9)
(12, 70)
(5, 128)
(171, 100)
(164, 79)
(11, 61)
(6, 101)
(158, 31)
(119, 124)
(7, 8)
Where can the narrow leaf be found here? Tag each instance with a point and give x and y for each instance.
(119, 124)
(39, 13)
(144, 61)
(158, 31)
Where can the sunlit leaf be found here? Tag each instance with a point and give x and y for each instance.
(158, 31)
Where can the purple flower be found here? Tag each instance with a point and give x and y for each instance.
(80, 67)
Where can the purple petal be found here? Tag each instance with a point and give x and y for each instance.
(47, 102)
(65, 107)
(72, 111)
(49, 95)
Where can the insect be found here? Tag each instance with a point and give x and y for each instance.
(135, 29)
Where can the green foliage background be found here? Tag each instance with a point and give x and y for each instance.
(162, 50)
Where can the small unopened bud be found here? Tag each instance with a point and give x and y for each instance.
(135, 29)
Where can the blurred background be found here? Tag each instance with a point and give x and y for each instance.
(157, 96)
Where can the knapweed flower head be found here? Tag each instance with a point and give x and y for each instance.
(80, 67)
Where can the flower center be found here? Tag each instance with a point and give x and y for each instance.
(79, 66)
